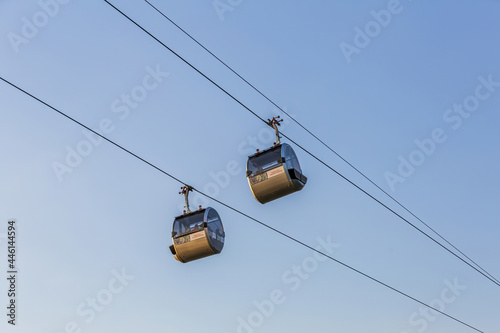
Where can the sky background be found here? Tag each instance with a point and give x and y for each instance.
(112, 214)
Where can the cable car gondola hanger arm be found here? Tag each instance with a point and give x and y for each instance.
(274, 123)
(185, 191)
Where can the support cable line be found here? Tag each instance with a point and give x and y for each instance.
(322, 142)
(305, 150)
(237, 210)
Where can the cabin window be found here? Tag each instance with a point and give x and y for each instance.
(265, 161)
(188, 224)
(291, 159)
(215, 229)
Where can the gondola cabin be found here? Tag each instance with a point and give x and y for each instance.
(274, 173)
(197, 235)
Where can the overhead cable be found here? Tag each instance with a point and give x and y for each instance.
(315, 157)
(237, 210)
(319, 140)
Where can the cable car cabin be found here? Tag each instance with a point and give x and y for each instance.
(197, 235)
(274, 173)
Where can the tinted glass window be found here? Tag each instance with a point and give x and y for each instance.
(188, 224)
(215, 229)
(291, 159)
(268, 160)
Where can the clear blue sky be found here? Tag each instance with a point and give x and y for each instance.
(377, 97)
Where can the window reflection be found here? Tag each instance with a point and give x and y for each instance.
(215, 229)
(262, 162)
(291, 159)
(188, 224)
